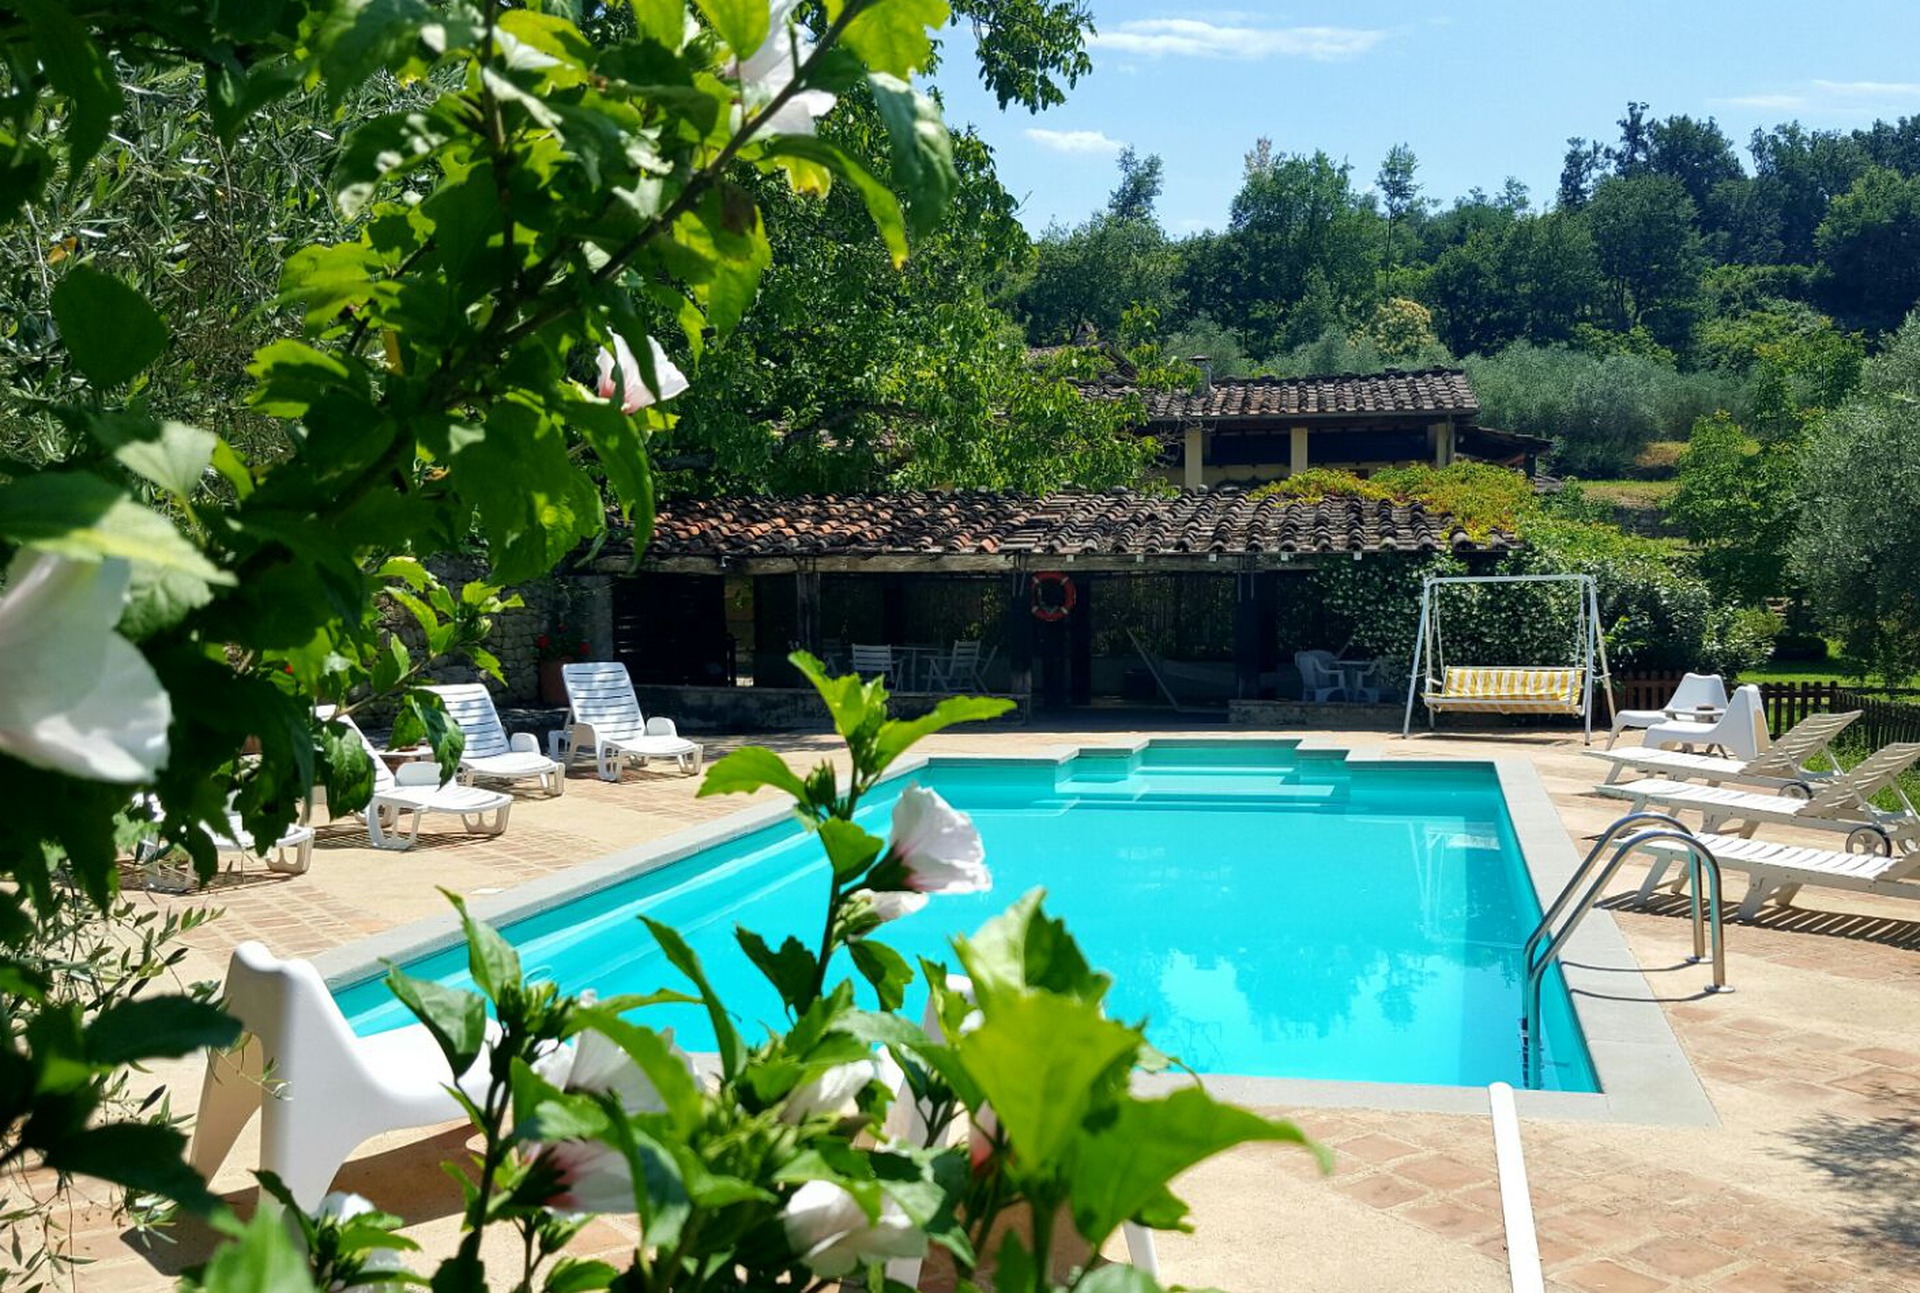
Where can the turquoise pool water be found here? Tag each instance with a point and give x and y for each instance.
(1269, 912)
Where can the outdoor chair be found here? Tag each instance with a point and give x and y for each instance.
(871, 661)
(1776, 872)
(1779, 763)
(238, 840)
(604, 723)
(489, 751)
(1740, 729)
(1695, 690)
(417, 790)
(320, 1091)
(1320, 678)
(960, 669)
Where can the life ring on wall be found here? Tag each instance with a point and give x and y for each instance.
(1052, 608)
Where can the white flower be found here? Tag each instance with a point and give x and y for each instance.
(891, 904)
(635, 393)
(593, 1063)
(770, 70)
(75, 696)
(589, 1177)
(835, 1092)
(833, 1234)
(937, 845)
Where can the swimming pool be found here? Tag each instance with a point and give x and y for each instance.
(1269, 911)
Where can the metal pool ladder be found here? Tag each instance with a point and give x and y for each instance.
(1546, 941)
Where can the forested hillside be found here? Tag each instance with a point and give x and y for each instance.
(1667, 277)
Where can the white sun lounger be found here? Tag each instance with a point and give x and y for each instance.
(490, 752)
(1780, 763)
(237, 839)
(417, 790)
(330, 1090)
(1840, 803)
(1775, 872)
(604, 722)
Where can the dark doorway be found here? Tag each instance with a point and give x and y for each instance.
(673, 629)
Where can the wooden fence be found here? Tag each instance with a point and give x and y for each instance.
(1884, 717)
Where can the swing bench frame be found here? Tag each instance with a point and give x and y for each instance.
(1429, 655)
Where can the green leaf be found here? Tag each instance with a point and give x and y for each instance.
(852, 703)
(792, 970)
(664, 21)
(892, 35)
(346, 769)
(79, 515)
(885, 969)
(897, 737)
(1023, 948)
(883, 208)
(747, 770)
(741, 23)
(922, 149)
(732, 1051)
(850, 848)
(578, 1275)
(325, 281)
(1129, 1161)
(1118, 1277)
(491, 960)
(175, 458)
(77, 68)
(150, 1027)
(1037, 1059)
(647, 1048)
(142, 1156)
(356, 38)
(456, 1018)
(622, 451)
(262, 1257)
(109, 328)
(373, 150)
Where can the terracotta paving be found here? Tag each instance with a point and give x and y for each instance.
(1810, 1182)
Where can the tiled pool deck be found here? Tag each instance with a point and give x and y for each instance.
(1809, 1178)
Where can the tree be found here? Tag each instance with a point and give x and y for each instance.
(1579, 171)
(1139, 187)
(1399, 195)
(1869, 248)
(1649, 251)
(1633, 155)
(1295, 229)
(1087, 277)
(1800, 172)
(1697, 153)
(1855, 548)
(1030, 52)
(1736, 500)
(1532, 280)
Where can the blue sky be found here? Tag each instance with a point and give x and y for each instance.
(1481, 89)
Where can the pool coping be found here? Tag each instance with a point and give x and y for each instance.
(1645, 1076)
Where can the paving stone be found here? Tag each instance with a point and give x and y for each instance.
(1610, 1277)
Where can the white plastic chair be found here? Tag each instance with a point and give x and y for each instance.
(1695, 690)
(908, 1118)
(489, 751)
(237, 839)
(1320, 678)
(604, 722)
(332, 1091)
(1741, 730)
(417, 790)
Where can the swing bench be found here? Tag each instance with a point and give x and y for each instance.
(1508, 689)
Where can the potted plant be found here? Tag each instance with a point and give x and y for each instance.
(555, 648)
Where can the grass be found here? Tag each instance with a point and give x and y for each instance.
(1850, 753)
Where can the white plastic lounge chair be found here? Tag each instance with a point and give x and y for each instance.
(238, 840)
(960, 669)
(417, 789)
(1695, 690)
(1741, 731)
(1775, 872)
(331, 1090)
(1780, 763)
(604, 722)
(907, 1118)
(871, 661)
(1320, 678)
(1840, 803)
(489, 751)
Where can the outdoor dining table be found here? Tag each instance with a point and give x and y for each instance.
(913, 665)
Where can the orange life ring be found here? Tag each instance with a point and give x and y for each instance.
(1048, 611)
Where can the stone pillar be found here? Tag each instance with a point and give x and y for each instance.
(1440, 436)
(1297, 451)
(1196, 458)
(1080, 644)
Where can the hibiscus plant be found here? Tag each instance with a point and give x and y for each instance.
(849, 1139)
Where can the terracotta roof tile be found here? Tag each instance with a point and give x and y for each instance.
(1437, 391)
(1074, 523)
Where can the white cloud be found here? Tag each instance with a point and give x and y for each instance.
(1196, 38)
(1834, 98)
(1075, 141)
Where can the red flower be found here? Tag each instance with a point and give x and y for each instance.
(584, 650)
(542, 642)
(288, 667)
